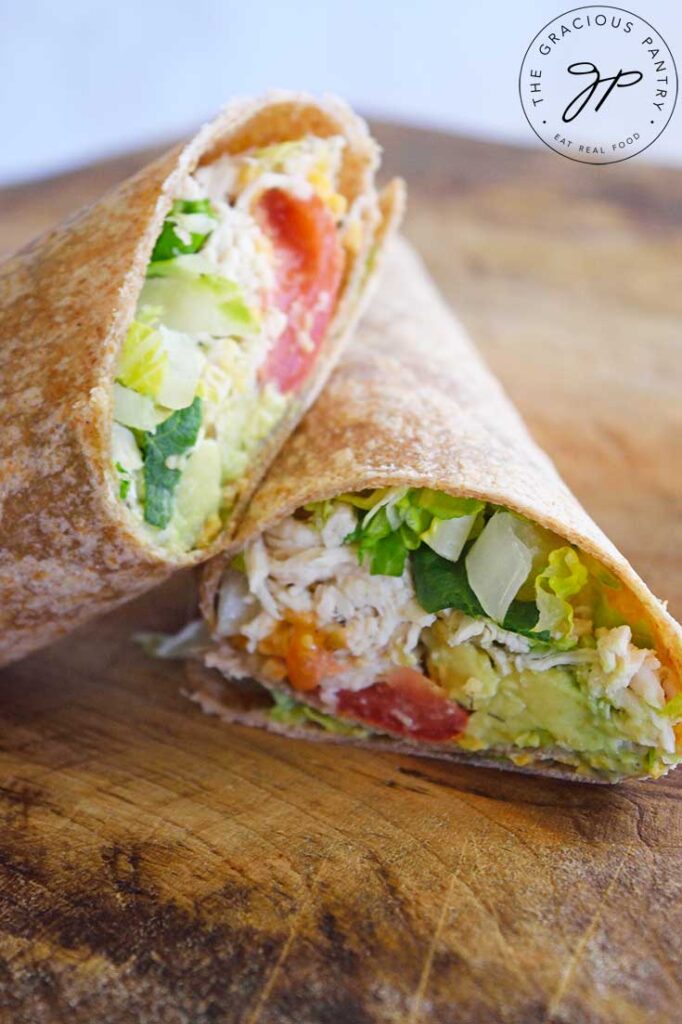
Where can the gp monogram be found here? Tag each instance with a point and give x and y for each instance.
(598, 84)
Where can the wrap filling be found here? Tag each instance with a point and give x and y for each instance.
(241, 287)
(448, 621)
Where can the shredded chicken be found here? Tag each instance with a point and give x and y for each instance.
(297, 568)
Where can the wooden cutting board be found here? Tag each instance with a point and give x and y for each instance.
(157, 866)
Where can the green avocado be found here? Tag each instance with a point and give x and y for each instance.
(546, 709)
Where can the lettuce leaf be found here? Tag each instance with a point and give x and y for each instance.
(174, 436)
(385, 538)
(445, 506)
(161, 364)
(363, 501)
(288, 711)
(397, 520)
(143, 359)
(522, 617)
(185, 229)
(189, 642)
(388, 556)
(191, 299)
(417, 519)
(133, 410)
(564, 577)
(441, 584)
(320, 512)
(124, 485)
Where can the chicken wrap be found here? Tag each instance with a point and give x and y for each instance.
(158, 348)
(413, 574)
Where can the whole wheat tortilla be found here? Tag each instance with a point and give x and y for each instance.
(412, 404)
(69, 548)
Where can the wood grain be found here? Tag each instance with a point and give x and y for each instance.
(157, 866)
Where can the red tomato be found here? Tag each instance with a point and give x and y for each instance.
(406, 703)
(307, 660)
(309, 271)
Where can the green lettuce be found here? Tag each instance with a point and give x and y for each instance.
(125, 482)
(388, 555)
(445, 506)
(440, 584)
(564, 577)
(191, 299)
(288, 711)
(185, 229)
(396, 522)
(174, 436)
(320, 511)
(385, 559)
(362, 500)
(161, 364)
(135, 411)
(143, 359)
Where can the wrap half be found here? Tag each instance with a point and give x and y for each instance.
(413, 574)
(156, 350)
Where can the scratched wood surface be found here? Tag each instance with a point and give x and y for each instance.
(156, 866)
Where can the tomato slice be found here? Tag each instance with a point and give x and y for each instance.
(309, 271)
(406, 703)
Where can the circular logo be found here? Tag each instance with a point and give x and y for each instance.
(598, 84)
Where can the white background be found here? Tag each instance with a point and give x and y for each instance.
(81, 79)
